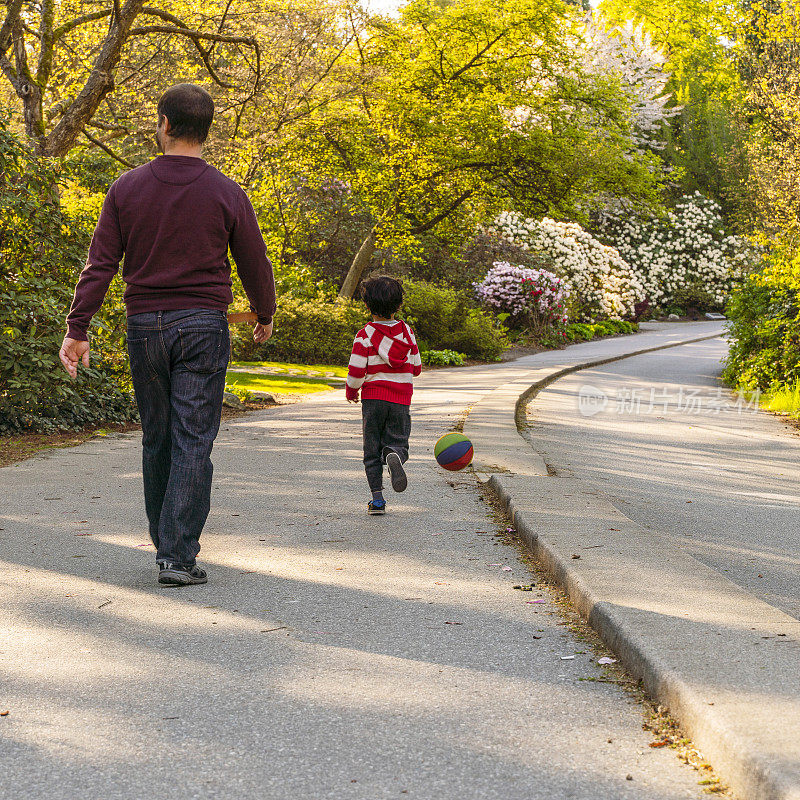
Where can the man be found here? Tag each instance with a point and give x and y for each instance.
(174, 219)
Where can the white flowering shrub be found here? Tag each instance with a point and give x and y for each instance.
(601, 283)
(537, 298)
(629, 53)
(686, 258)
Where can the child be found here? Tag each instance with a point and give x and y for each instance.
(383, 364)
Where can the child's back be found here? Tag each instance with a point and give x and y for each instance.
(384, 362)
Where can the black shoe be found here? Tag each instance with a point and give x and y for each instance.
(171, 574)
(396, 472)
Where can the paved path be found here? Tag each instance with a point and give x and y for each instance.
(720, 479)
(331, 655)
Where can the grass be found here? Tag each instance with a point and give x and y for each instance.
(783, 401)
(281, 367)
(291, 384)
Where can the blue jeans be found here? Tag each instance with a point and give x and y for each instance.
(178, 363)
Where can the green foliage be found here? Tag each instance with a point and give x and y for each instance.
(442, 358)
(764, 316)
(310, 331)
(785, 400)
(444, 318)
(705, 84)
(42, 250)
(314, 331)
(584, 331)
(245, 395)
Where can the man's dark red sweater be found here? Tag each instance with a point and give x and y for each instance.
(174, 220)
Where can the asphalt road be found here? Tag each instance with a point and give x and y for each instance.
(676, 452)
(331, 655)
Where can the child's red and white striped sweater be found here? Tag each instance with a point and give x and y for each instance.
(384, 362)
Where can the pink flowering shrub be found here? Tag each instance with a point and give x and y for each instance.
(534, 298)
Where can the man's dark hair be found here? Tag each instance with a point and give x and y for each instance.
(190, 111)
(383, 295)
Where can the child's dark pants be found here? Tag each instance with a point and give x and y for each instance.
(386, 425)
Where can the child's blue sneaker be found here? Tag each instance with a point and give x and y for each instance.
(375, 507)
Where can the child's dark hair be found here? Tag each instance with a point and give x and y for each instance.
(383, 295)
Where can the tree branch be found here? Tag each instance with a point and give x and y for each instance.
(12, 15)
(177, 26)
(444, 214)
(99, 83)
(192, 34)
(477, 57)
(107, 149)
(62, 30)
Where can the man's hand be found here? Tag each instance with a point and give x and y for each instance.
(261, 332)
(72, 353)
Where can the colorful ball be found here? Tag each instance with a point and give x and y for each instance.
(453, 451)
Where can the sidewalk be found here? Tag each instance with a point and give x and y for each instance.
(331, 656)
(725, 663)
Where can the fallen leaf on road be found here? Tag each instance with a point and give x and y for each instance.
(613, 529)
(493, 565)
(661, 743)
(567, 658)
(534, 601)
(83, 534)
(454, 623)
(282, 628)
(507, 569)
(575, 555)
(4, 713)
(441, 583)
(606, 660)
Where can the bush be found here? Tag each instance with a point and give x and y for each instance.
(442, 319)
(535, 299)
(602, 284)
(42, 250)
(318, 331)
(442, 358)
(764, 314)
(307, 331)
(686, 258)
(583, 331)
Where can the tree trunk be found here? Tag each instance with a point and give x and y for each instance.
(360, 263)
(99, 83)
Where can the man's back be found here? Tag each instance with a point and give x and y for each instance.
(173, 219)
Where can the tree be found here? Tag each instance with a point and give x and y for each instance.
(629, 52)
(769, 59)
(62, 61)
(468, 107)
(698, 37)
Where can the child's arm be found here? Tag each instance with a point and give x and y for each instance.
(414, 357)
(357, 368)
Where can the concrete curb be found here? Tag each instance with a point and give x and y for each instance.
(725, 663)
